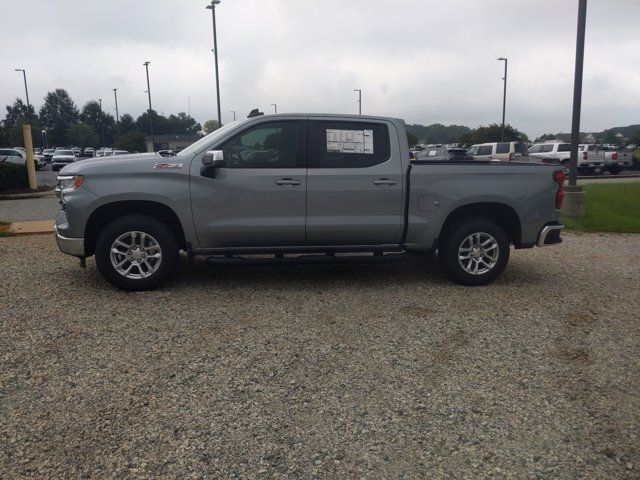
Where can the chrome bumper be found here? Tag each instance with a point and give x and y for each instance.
(549, 235)
(70, 246)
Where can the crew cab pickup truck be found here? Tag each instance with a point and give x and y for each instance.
(303, 185)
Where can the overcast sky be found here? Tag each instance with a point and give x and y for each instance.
(421, 60)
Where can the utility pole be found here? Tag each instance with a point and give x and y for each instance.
(115, 95)
(26, 90)
(359, 100)
(212, 7)
(234, 114)
(101, 123)
(153, 138)
(504, 95)
(275, 107)
(574, 197)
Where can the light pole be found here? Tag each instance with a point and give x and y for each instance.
(153, 138)
(504, 94)
(26, 90)
(101, 123)
(115, 96)
(234, 114)
(275, 107)
(212, 7)
(44, 139)
(359, 100)
(577, 93)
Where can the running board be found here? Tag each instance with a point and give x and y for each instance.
(307, 259)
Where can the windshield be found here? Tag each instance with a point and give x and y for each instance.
(64, 152)
(208, 139)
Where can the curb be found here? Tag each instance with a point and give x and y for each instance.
(606, 177)
(16, 196)
(39, 227)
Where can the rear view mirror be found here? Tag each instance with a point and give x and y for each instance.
(210, 161)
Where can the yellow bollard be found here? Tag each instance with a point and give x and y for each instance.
(31, 166)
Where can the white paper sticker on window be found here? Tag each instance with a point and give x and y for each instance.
(350, 141)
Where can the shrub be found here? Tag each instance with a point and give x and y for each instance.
(13, 176)
(636, 159)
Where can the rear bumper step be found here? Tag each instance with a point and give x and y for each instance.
(550, 235)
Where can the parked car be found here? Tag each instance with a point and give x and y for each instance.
(315, 184)
(502, 151)
(76, 151)
(442, 153)
(47, 153)
(118, 152)
(616, 160)
(39, 160)
(12, 155)
(89, 152)
(549, 151)
(590, 159)
(61, 158)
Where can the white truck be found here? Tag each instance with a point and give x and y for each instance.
(594, 158)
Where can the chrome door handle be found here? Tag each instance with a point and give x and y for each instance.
(288, 182)
(384, 181)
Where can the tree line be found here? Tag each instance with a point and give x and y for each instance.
(437, 133)
(90, 126)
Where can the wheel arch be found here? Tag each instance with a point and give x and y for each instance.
(106, 213)
(503, 215)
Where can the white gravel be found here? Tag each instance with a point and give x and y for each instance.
(381, 371)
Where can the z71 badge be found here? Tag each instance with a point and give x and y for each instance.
(167, 165)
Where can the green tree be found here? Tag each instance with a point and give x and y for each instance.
(210, 126)
(11, 127)
(161, 124)
(545, 137)
(493, 133)
(411, 138)
(183, 124)
(131, 141)
(19, 113)
(57, 114)
(127, 124)
(100, 122)
(82, 135)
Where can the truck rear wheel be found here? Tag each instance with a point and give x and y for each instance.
(474, 251)
(136, 252)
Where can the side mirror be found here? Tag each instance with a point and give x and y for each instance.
(210, 161)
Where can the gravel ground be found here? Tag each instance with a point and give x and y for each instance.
(380, 371)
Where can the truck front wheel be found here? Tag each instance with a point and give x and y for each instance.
(136, 252)
(474, 251)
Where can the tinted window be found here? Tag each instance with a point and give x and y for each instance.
(520, 148)
(485, 150)
(535, 149)
(268, 145)
(564, 147)
(546, 148)
(351, 144)
(472, 151)
(502, 148)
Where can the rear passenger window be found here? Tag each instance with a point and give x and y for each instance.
(351, 144)
(546, 148)
(502, 148)
(485, 150)
(564, 147)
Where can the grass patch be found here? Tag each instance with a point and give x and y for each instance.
(4, 226)
(613, 207)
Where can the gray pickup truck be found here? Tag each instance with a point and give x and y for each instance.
(319, 185)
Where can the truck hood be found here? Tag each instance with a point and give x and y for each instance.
(138, 162)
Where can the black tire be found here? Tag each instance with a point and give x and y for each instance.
(136, 223)
(452, 241)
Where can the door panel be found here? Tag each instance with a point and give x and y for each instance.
(352, 199)
(258, 198)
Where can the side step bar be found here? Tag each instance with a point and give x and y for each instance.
(307, 259)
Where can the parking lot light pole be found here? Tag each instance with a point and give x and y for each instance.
(44, 139)
(101, 123)
(574, 199)
(504, 95)
(153, 138)
(115, 95)
(212, 7)
(26, 90)
(275, 107)
(359, 100)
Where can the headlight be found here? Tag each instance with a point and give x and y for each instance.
(68, 183)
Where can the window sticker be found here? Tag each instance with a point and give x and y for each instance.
(350, 141)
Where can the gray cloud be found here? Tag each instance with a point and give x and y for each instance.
(424, 61)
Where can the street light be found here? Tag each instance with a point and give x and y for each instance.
(212, 7)
(234, 114)
(26, 90)
(44, 139)
(115, 95)
(359, 100)
(101, 123)
(275, 107)
(504, 94)
(153, 138)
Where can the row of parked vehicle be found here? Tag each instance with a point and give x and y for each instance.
(591, 158)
